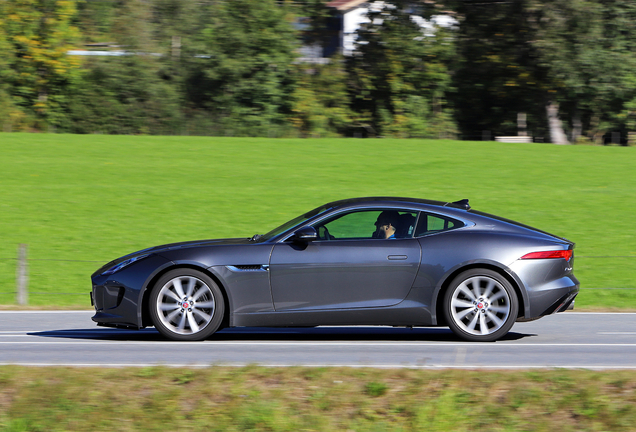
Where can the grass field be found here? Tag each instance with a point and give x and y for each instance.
(79, 201)
(306, 399)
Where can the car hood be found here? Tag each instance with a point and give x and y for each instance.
(174, 246)
(192, 244)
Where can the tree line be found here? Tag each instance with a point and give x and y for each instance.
(557, 70)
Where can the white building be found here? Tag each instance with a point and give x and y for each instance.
(350, 14)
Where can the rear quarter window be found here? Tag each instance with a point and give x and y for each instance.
(431, 223)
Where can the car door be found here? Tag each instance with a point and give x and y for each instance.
(346, 267)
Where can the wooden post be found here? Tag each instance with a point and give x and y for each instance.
(22, 276)
(176, 47)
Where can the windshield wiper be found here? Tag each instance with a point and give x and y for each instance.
(256, 237)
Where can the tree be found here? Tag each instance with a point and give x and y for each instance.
(564, 62)
(588, 50)
(38, 70)
(7, 111)
(498, 73)
(399, 73)
(242, 72)
(321, 101)
(127, 94)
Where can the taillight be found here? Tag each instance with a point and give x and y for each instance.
(565, 254)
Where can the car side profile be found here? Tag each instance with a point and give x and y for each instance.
(361, 261)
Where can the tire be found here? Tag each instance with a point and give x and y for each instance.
(480, 305)
(186, 305)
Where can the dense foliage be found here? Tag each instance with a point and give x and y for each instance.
(279, 399)
(235, 68)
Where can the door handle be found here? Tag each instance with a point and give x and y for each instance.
(397, 257)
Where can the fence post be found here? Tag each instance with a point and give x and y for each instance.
(22, 276)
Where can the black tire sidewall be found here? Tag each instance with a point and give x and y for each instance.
(512, 295)
(219, 309)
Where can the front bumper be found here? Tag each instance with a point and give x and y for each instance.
(118, 297)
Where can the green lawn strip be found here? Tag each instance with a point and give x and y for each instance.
(81, 200)
(318, 399)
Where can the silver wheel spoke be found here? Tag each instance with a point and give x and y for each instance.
(178, 287)
(476, 287)
(497, 296)
(193, 323)
(172, 315)
(494, 318)
(489, 288)
(498, 309)
(202, 314)
(461, 315)
(171, 294)
(200, 292)
(466, 291)
(205, 305)
(473, 322)
(182, 321)
(462, 303)
(482, 324)
(191, 283)
(168, 307)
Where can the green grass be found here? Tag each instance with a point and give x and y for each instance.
(320, 399)
(81, 200)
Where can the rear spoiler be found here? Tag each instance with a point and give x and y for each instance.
(461, 204)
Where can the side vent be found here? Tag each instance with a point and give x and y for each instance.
(248, 268)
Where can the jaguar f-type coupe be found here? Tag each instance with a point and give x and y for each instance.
(362, 261)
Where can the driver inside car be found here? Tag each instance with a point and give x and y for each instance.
(386, 224)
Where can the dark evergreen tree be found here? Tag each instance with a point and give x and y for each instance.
(399, 73)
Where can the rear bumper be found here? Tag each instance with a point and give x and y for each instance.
(549, 285)
(561, 305)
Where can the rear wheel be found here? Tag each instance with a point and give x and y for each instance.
(480, 305)
(186, 305)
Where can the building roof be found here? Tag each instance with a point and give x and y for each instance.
(344, 5)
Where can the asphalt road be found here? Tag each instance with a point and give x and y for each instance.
(566, 340)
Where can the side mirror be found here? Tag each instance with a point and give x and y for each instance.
(306, 234)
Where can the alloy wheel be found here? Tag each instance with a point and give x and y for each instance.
(185, 305)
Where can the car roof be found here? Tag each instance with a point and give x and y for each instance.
(462, 204)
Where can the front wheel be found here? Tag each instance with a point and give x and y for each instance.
(480, 305)
(186, 305)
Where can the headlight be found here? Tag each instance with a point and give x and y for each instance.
(123, 264)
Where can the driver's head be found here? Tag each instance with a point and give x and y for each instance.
(386, 223)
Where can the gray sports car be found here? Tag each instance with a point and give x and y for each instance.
(362, 261)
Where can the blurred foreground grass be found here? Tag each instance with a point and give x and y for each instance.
(79, 201)
(314, 399)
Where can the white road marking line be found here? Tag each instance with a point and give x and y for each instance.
(317, 365)
(616, 333)
(599, 313)
(22, 312)
(20, 331)
(351, 344)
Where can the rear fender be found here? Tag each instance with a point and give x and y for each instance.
(445, 281)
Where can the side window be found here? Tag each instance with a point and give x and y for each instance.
(364, 224)
(429, 223)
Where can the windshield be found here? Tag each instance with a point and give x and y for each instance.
(292, 223)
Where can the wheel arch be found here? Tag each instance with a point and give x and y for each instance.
(439, 297)
(145, 300)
